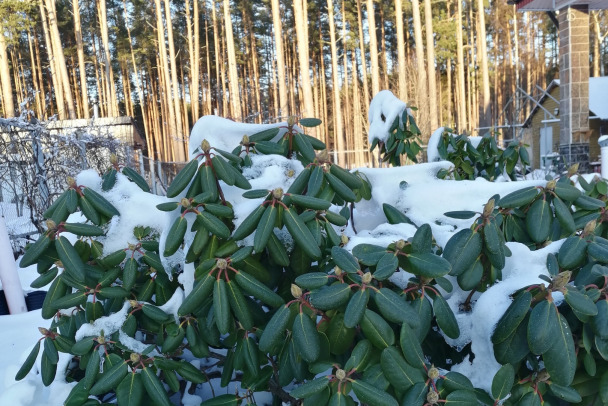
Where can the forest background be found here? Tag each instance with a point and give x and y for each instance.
(166, 63)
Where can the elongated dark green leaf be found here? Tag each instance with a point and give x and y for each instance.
(410, 346)
(572, 253)
(398, 372)
(136, 178)
(340, 188)
(239, 306)
(199, 293)
(48, 370)
(503, 382)
(301, 234)
(35, 251)
(309, 202)
(310, 388)
(386, 266)
(29, 362)
(257, 289)
(275, 329)
(428, 265)
(461, 398)
(175, 237)
(515, 347)
(371, 395)
(394, 308)
(100, 203)
(265, 135)
(563, 215)
(269, 147)
(264, 228)
(221, 306)
(313, 280)
(44, 279)
(303, 145)
(519, 198)
(191, 373)
(71, 300)
(356, 308)
(82, 229)
(249, 224)
(543, 327)
(306, 338)
(213, 224)
(70, 258)
(538, 221)
(377, 330)
(579, 302)
(130, 391)
(50, 350)
(221, 170)
(88, 210)
(567, 394)
(394, 215)
(349, 179)
(445, 317)
(462, 250)
(560, 358)
(330, 297)
(566, 191)
(589, 203)
(110, 379)
(344, 259)
(461, 214)
(182, 179)
(154, 387)
(511, 319)
(309, 122)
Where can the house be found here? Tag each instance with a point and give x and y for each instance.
(543, 127)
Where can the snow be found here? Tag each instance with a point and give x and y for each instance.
(383, 110)
(598, 89)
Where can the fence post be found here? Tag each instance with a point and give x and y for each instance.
(40, 169)
(152, 175)
(141, 164)
(8, 274)
(160, 174)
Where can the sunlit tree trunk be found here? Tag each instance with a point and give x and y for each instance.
(338, 125)
(57, 88)
(233, 78)
(84, 96)
(301, 20)
(430, 64)
(366, 95)
(462, 114)
(280, 58)
(422, 95)
(400, 50)
(109, 73)
(373, 47)
(8, 102)
(485, 117)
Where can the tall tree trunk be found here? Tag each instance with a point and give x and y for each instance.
(280, 58)
(430, 64)
(208, 57)
(84, 96)
(216, 43)
(301, 20)
(57, 88)
(193, 75)
(460, 81)
(8, 102)
(384, 57)
(373, 47)
(422, 94)
(109, 72)
(60, 58)
(338, 130)
(449, 91)
(400, 50)
(233, 78)
(366, 95)
(485, 118)
(180, 130)
(34, 75)
(359, 143)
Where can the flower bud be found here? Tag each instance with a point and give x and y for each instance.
(71, 181)
(590, 227)
(277, 193)
(134, 357)
(133, 303)
(323, 155)
(221, 263)
(245, 140)
(433, 373)
(291, 120)
(50, 225)
(290, 173)
(489, 208)
(432, 397)
(101, 340)
(343, 239)
(205, 147)
(366, 278)
(296, 291)
(113, 159)
(340, 374)
(337, 271)
(400, 244)
(551, 184)
(573, 170)
(542, 376)
(185, 202)
(561, 280)
(43, 331)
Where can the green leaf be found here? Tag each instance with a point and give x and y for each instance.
(315, 182)
(410, 346)
(349, 179)
(110, 379)
(598, 252)
(518, 198)
(309, 122)
(239, 306)
(462, 214)
(538, 221)
(512, 318)
(394, 307)
(340, 337)
(572, 253)
(503, 382)
(48, 370)
(275, 329)
(175, 237)
(35, 251)
(543, 327)
(182, 179)
(306, 338)
(264, 228)
(191, 373)
(514, 348)
(77, 396)
(600, 321)
(560, 358)
(369, 394)
(300, 182)
(300, 233)
(312, 280)
(565, 393)
(428, 265)
(416, 395)
(393, 215)
(256, 193)
(45, 278)
(386, 266)
(249, 224)
(222, 400)
(589, 203)
(377, 330)
(220, 166)
(199, 293)
(99, 203)
(462, 250)
(29, 363)
(344, 259)
(398, 372)
(208, 182)
(221, 306)
(309, 202)
(564, 216)
(340, 188)
(461, 398)
(213, 224)
(154, 387)
(130, 391)
(445, 317)
(277, 250)
(356, 308)
(70, 258)
(310, 388)
(330, 297)
(257, 289)
(71, 300)
(579, 302)
(136, 178)
(265, 135)
(304, 147)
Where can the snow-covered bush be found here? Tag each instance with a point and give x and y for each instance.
(250, 275)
